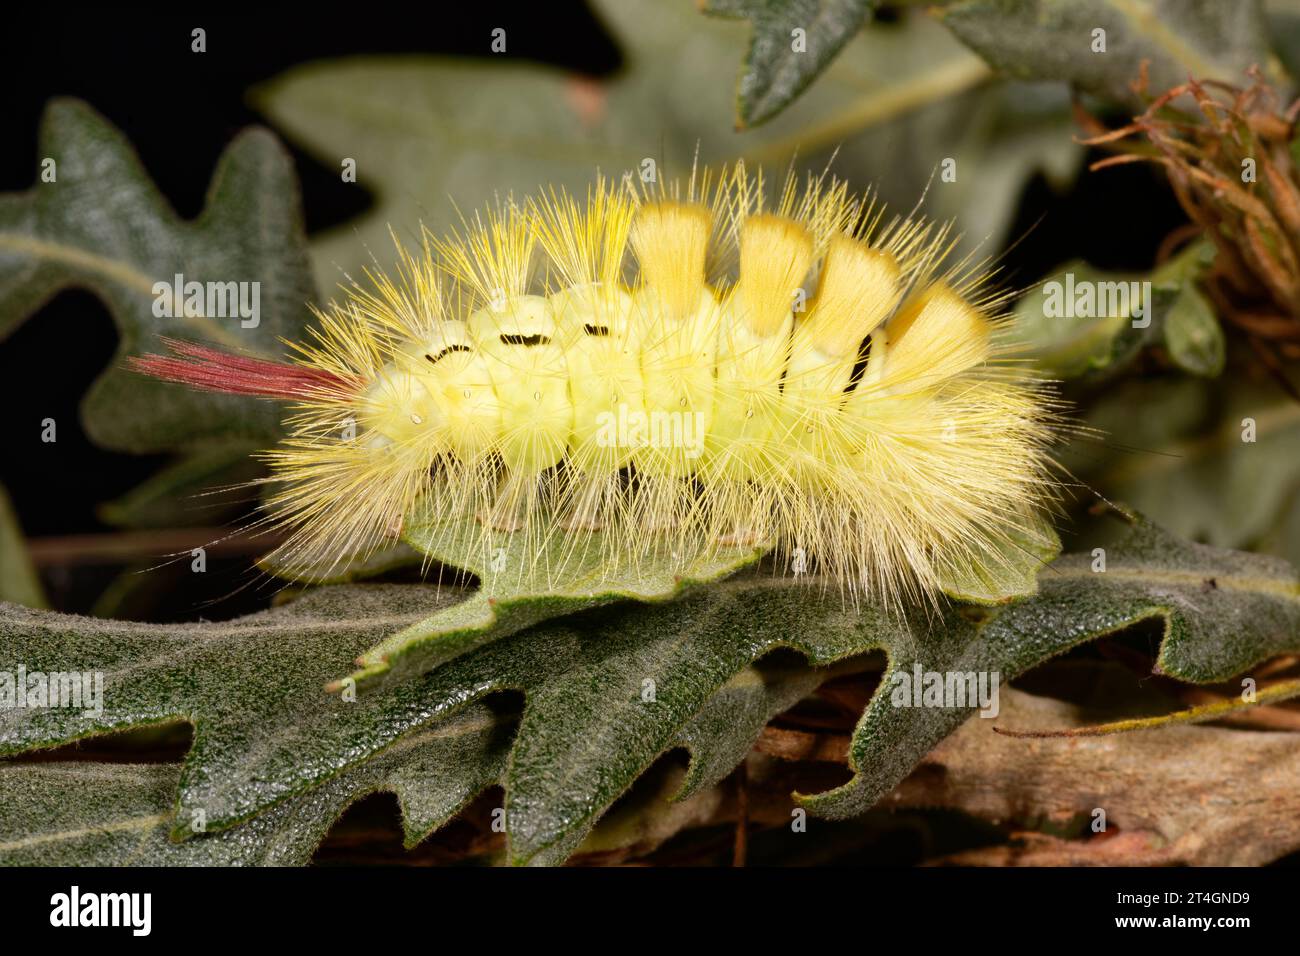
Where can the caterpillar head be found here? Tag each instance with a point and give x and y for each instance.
(435, 391)
(396, 408)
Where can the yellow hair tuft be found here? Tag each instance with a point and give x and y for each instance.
(775, 254)
(859, 287)
(671, 242)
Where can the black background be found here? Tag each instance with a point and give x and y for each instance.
(800, 908)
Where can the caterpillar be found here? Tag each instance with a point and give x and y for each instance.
(678, 368)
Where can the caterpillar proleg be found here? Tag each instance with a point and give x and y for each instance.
(681, 369)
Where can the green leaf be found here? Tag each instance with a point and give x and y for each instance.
(1175, 449)
(1000, 137)
(265, 730)
(1008, 569)
(266, 733)
(431, 135)
(1193, 334)
(523, 584)
(1223, 612)
(1081, 342)
(724, 730)
(779, 65)
(638, 689)
(102, 225)
(1055, 40)
(19, 581)
(81, 813)
(1284, 30)
(649, 815)
(392, 557)
(1087, 323)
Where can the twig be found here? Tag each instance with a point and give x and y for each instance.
(123, 546)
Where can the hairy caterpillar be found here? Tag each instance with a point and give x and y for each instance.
(682, 369)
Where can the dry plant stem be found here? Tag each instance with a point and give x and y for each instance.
(1232, 170)
(1183, 795)
(800, 745)
(1180, 795)
(115, 548)
(1202, 795)
(1261, 718)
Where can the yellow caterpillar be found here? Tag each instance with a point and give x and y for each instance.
(682, 369)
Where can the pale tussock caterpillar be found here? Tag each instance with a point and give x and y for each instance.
(682, 369)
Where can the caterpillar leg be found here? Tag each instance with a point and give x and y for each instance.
(515, 500)
(585, 508)
(748, 524)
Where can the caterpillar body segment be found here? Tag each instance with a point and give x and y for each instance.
(601, 337)
(681, 320)
(666, 374)
(518, 342)
(754, 349)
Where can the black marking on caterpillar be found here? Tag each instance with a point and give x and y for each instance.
(435, 359)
